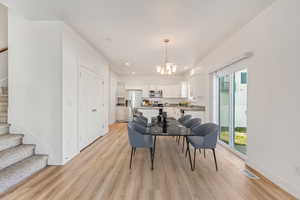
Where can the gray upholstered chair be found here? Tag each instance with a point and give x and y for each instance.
(189, 123)
(184, 118)
(192, 122)
(207, 136)
(141, 120)
(137, 139)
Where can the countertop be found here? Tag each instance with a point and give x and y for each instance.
(185, 108)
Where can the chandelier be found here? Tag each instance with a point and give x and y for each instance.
(167, 68)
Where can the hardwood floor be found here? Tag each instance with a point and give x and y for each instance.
(101, 171)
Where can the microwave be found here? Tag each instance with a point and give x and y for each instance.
(155, 93)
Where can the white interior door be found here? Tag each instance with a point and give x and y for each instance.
(91, 108)
(83, 108)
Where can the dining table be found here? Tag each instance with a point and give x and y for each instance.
(170, 127)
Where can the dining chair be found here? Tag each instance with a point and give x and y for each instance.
(206, 138)
(141, 120)
(137, 139)
(194, 122)
(184, 118)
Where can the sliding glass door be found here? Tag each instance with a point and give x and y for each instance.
(232, 105)
(240, 111)
(224, 108)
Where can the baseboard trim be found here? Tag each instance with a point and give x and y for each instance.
(260, 175)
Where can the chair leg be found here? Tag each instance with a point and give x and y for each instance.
(186, 150)
(215, 159)
(195, 150)
(183, 142)
(189, 153)
(204, 153)
(151, 157)
(132, 150)
(154, 145)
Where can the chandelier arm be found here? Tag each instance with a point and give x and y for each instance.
(166, 52)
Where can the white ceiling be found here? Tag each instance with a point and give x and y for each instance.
(132, 30)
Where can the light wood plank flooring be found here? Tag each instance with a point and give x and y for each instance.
(101, 172)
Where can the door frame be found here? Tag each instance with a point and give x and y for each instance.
(231, 117)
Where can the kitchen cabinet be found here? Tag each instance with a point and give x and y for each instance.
(169, 91)
(145, 89)
(172, 91)
(196, 86)
(121, 91)
(122, 113)
(184, 89)
(173, 112)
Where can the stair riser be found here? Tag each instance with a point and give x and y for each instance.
(16, 156)
(4, 90)
(3, 120)
(9, 177)
(3, 109)
(4, 99)
(4, 130)
(10, 144)
(3, 117)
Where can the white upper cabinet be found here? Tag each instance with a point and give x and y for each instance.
(184, 89)
(145, 89)
(121, 91)
(172, 91)
(169, 91)
(196, 86)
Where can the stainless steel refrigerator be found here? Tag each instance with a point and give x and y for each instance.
(135, 100)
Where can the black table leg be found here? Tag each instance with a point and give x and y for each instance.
(154, 145)
(151, 157)
(189, 152)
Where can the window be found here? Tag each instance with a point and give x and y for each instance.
(244, 77)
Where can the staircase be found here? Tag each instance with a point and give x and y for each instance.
(18, 161)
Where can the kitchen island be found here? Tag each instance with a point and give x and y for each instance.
(175, 111)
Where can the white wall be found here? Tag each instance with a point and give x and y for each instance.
(43, 79)
(3, 44)
(35, 79)
(113, 95)
(273, 93)
(77, 52)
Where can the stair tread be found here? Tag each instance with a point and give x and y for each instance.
(10, 140)
(4, 125)
(10, 136)
(15, 154)
(19, 171)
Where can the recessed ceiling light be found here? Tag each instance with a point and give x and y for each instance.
(133, 73)
(127, 64)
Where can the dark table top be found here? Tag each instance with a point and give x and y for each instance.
(173, 128)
